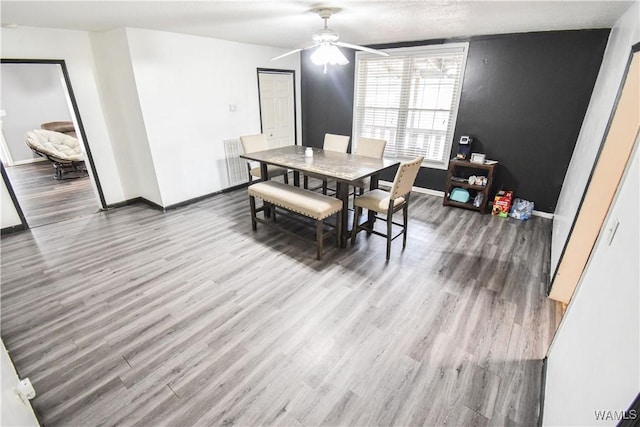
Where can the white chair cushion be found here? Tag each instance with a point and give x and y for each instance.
(54, 144)
(271, 170)
(376, 200)
(304, 202)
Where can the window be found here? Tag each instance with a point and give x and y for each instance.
(410, 99)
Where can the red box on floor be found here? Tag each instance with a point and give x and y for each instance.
(502, 203)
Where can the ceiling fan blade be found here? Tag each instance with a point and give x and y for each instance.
(291, 52)
(295, 51)
(366, 49)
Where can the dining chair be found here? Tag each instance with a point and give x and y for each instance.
(338, 143)
(368, 147)
(254, 143)
(332, 142)
(388, 203)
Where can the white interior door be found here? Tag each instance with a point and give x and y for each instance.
(277, 107)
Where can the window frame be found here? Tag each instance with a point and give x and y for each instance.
(445, 48)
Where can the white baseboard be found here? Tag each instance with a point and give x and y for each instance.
(422, 190)
(543, 214)
(28, 161)
(428, 191)
(441, 194)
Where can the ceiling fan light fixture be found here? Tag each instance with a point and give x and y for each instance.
(327, 40)
(325, 35)
(327, 53)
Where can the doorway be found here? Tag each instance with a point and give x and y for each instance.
(277, 93)
(36, 92)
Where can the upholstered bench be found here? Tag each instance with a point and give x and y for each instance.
(300, 201)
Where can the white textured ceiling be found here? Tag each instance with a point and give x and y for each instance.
(289, 23)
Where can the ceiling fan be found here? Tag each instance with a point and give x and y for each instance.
(326, 40)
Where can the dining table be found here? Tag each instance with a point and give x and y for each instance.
(346, 169)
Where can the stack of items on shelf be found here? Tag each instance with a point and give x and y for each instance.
(468, 185)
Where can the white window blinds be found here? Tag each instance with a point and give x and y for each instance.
(410, 99)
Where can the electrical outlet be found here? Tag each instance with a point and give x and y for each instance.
(233, 107)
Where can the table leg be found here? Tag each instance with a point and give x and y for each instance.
(264, 175)
(371, 215)
(342, 193)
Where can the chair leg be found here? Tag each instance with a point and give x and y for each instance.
(324, 187)
(354, 230)
(252, 203)
(273, 212)
(405, 216)
(267, 209)
(319, 238)
(286, 178)
(249, 173)
(339, 229)
(58, 168)
(389, 231)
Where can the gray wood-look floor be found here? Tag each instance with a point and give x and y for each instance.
(44, 199)
(138, 317)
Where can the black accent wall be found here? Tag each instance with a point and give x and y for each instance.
(326, 99)
(524, 98)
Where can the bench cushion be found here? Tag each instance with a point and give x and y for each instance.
(304, 202)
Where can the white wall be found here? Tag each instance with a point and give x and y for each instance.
(124, 118)
(185, 85)
(75, 48)
(32, 94)
(14, 411)
(594, 360)
(623, 35)
(8, 215)
(164, 144)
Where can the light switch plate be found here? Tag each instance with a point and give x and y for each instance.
(612, 230)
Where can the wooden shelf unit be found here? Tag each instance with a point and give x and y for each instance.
(464, 169)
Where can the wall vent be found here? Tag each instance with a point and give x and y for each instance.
(236, 167)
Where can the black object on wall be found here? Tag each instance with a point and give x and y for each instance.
(524, 98)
